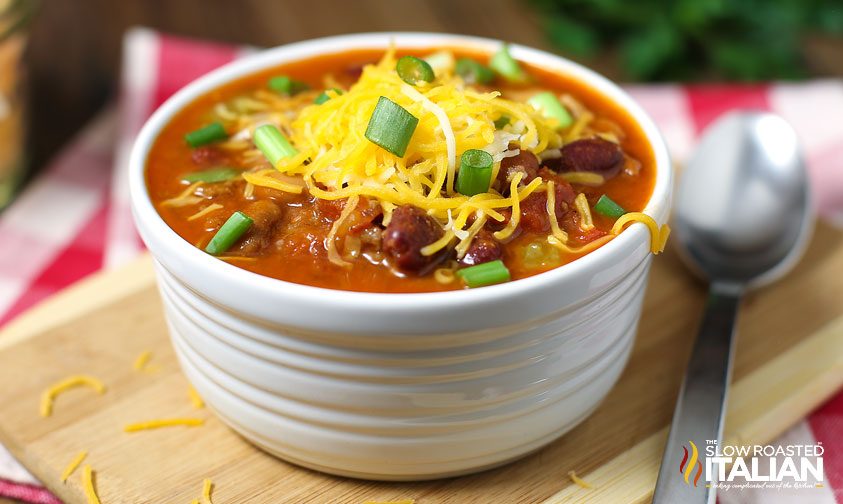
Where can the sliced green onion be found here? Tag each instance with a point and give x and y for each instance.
(552, 108)
(229, 233)
(506, 66)
(218, 174)
(485, 274)
(273, 144)
(285, 85)
(441, 61)
(391, 126)
(501, 121)
(609, 208)
(324, 96)
(205, 135)
(413, 70)
(475, 174)
(474, 72)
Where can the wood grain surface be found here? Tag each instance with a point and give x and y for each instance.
(790, 354)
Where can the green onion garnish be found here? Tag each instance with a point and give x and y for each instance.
(475, 173)
(229, 233)
(505, 65)
(324, 96)
(441, 61)
(273, 144)
(501, 121)
(285, 85)
(218, 174)
(391, 126)
(485, 274)
(552, 108)
(474, 72)
(413, 70)
(609, 208)
(205, 135)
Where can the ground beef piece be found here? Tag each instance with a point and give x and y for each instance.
(266, 216)
(329, 210)
(484, 248)
(564, 192)
(409, 230)
(570, 223)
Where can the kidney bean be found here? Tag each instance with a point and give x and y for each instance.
(484, 248)
(408, 232)
(590, 154)
(525, 162)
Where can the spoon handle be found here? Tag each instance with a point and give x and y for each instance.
(699, 413)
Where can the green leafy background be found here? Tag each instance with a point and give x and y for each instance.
(744, 40)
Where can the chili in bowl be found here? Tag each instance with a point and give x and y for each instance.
(401, 256)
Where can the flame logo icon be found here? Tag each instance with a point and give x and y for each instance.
(686, 467)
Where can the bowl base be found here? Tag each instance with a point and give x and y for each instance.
(519, 453)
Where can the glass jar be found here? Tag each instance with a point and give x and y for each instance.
(14, 22)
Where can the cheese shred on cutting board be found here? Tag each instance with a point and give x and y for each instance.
(165, 422)
(49, 395)
(88, 485)
(77, 460)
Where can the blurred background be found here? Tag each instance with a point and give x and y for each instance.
(73, 57)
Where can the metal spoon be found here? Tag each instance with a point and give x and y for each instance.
(743, 219)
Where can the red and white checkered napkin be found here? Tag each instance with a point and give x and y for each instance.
(75, 219)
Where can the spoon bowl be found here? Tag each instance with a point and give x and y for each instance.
(743, 213)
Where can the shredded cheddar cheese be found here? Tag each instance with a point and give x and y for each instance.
(336, 161)
(88, 485)
(166, 422)
(263, 178)
(186, 198)
(444, 275)
(213, 207)
(560, 235)
(658, 235)
(516, 209)
(207, 485)
(330, 240)
(584, 178)
(49, 395)
(142, 360)
(579, 481)
(195, 399)
(73, 465)
(588, 247)
(581, 204)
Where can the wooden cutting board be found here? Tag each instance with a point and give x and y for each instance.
(789, 359)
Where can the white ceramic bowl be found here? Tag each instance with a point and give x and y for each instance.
(400, 386)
